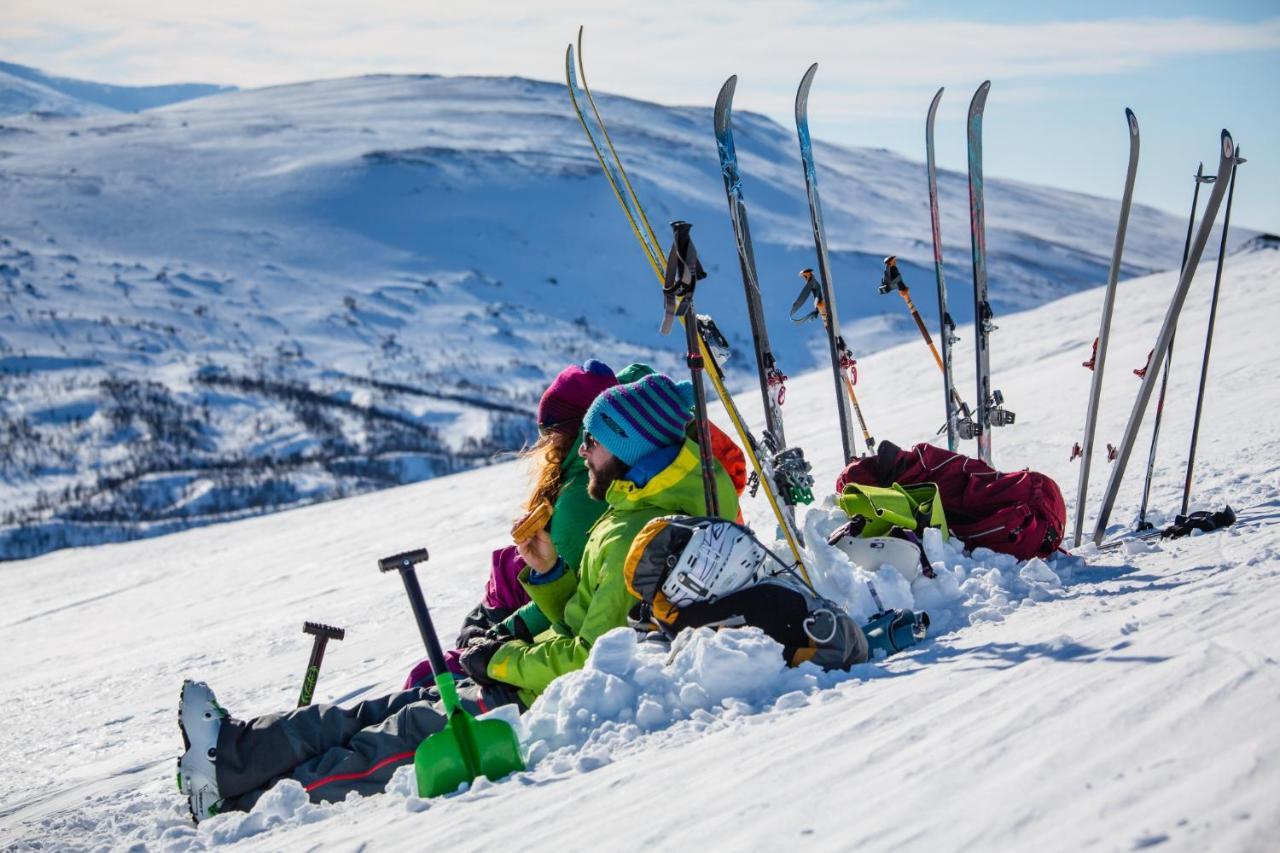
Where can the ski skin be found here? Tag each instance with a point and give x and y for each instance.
(825, 286)
(1104, 331)
(1162, 341)
(715, 373)
(766, 365)
(948, 333)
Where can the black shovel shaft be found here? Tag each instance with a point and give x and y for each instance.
(404, 564)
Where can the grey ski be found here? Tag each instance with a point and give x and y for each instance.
(1143, 524)
(959, 418)
(1208, 336)
(1162, 341)
(991, 412)
(826, 292)
(1099, 359)
(770, 376)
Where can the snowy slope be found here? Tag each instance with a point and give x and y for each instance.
(19, 95)
(1112, 701)
(267, 298)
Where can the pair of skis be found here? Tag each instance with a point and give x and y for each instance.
(1162, 351)
(843, 364)
(781, 473)
(961, 422)
(1226, 163)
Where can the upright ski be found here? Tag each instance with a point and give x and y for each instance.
(959, 418)
(783, 473)
(1099, 359)
(991, 412)
(825, 293)
(1143, 524)
(1208, 336)
(1162, 341)
(771, 378)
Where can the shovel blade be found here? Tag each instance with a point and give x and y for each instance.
(463, 750)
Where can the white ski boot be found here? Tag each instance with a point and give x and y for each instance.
(200, 717)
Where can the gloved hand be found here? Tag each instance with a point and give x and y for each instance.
(476, 657)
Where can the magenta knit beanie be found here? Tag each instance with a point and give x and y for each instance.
(571, 393)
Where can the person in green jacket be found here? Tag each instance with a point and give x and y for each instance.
(641, 462)
(559, 479)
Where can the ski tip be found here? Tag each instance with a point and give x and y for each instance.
(724, 104)
(802, 94)
(979, 98)
(1133, 121)
(580, 29)
(1228, 147)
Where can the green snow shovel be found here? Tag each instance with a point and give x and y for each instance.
(466, 747)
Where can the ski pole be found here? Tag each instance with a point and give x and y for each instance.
(1143, 524)
(893, 281)
(1208, 338)
(322, 635)
(684, 270)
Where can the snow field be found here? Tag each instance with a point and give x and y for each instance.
(1112, 700)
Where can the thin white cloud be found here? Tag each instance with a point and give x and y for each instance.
(672, 52)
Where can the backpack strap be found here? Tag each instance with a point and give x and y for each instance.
(887, 463)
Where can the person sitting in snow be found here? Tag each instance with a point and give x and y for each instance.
(639, 461)
(559, 478)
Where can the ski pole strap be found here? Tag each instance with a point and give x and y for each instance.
(684, 270)
(809, 291)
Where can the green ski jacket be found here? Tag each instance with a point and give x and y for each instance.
(584, 605)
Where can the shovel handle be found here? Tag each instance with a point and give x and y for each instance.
(404, 563)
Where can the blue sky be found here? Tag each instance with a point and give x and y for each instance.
(1061, 74)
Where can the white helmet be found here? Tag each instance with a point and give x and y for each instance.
(873, 552)
(719, 559)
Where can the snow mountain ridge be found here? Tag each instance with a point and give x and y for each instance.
(25, 90)
(265, 298)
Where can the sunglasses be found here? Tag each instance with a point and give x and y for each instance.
(589, 441)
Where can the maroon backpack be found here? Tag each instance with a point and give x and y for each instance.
(1022, 513)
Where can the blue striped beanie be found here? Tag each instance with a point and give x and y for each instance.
(635, 419)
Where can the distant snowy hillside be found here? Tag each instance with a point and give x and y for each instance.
(24, 89)
(271, 297)
(1110, 701)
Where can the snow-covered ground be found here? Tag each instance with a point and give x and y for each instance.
(1113, 701)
